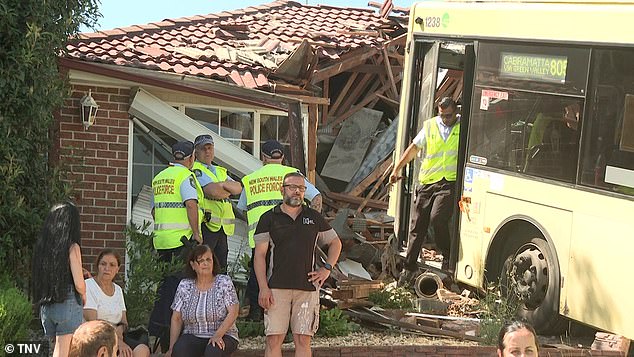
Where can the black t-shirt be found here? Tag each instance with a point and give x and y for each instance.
(292, 245)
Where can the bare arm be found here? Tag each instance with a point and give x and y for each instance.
(316, 203)
(76, 271)
(192, 216)
(234, 187)
(259, 265)
(216, 190)
(90, 314)
(232, 315)
(409, 155)
(176, 325)
(319, 276)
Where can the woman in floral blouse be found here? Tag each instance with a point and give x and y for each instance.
(206, 308)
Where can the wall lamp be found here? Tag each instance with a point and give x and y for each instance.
(88, 107)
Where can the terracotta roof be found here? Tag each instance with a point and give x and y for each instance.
(241, 46)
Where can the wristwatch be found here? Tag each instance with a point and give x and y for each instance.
(328, 266)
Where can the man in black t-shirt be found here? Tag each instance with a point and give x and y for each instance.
(289, 290)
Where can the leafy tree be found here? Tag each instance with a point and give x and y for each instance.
(33, 34)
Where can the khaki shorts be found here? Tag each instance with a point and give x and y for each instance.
(299, 307)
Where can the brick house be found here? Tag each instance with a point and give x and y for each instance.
(244, 76)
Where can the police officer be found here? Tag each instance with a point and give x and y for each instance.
(261, 192)
(217, 187)
(176, 196)
(435, 195)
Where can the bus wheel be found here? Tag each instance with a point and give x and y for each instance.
(532, 274)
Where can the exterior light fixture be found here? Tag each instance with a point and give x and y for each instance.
(88, 107)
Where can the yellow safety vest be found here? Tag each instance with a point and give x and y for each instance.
(441, 157)
(218, 213)
(262, 189)
(170, 214)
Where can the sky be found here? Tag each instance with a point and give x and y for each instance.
(121, 13)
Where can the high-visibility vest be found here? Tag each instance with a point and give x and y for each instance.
(218, 213)
(262, 190)
(441, 157)
(170, 214)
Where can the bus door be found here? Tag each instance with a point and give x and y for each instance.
(437, 69)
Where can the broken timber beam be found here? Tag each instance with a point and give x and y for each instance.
(356, 200)
(353, 61)
(374, 188)
(312, 100)
(312, 142)
(373, 176)
(390, 74)
(353, 96)
(325, 92)
(409, 326)
(342, 94)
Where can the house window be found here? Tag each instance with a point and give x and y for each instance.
(247, 129)
(148, 158)
(234, 125)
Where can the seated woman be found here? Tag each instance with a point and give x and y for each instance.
(517, 339)
(104, 301)
(206, 308)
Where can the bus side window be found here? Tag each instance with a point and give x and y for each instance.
(608, 147)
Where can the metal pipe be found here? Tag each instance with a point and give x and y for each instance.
(427, 285)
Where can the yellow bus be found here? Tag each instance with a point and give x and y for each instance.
(546, 166)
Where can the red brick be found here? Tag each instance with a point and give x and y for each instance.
(118, 163)
(72, 143)
(118, 179)
(120, 98)
(106, 154)
(96, 145)
(87, 218)
(109, 106)
(104, 218)
(94, 210)
(118, 131)
(117, 195)
(118, 147)
(93, 226)
(104, 203)
(104, 170)
(81, 88)
(93, 243)
(95, 178)
(116, 211)
(118, 115)
(107, 187)
(115, 227)
(107, 236)
(100, 97)
(108, 90)
(107, 138)
(82, 135)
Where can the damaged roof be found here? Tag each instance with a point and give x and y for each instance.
(242, 46)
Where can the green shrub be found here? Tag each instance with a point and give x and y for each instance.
(15, 313)
(334, 323)
(248, 328)
(496, 309)
(145, 273)
(393, 298)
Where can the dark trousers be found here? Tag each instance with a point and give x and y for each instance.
(434, 206)
(217, 241)
(192, 346)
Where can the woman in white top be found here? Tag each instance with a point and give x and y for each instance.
(104, 301)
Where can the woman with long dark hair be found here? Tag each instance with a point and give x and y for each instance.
(205, 309)
(58, 282)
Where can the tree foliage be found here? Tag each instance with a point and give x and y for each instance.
(33, 34)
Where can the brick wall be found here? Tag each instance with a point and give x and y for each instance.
(422, 351)
(97, 160)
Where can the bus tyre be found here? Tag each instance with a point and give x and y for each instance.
(531, 273)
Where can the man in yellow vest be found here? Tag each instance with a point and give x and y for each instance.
(434, 202)
(175, 208)
(261, 192)
(217, 187)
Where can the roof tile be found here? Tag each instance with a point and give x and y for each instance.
(190, 45)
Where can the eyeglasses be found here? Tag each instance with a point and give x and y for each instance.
(447, 115)
(208, 261)
(295, 188)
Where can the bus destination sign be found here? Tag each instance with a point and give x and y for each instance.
(543, 68)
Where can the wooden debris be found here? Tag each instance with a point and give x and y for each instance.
(609, 342)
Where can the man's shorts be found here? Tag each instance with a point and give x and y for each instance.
(299, 307)
(62, 318)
